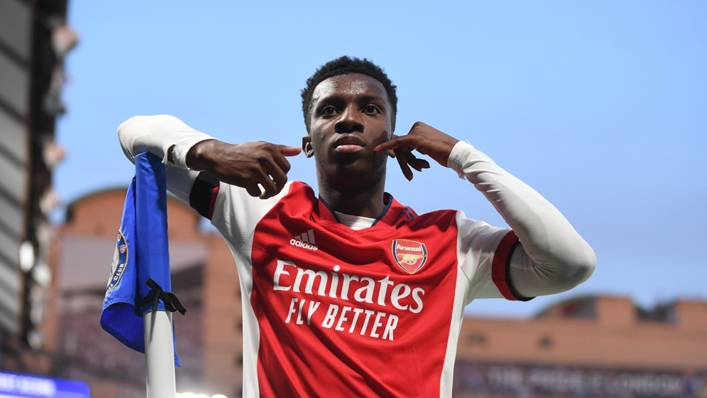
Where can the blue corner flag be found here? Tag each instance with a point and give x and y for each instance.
(141, 255)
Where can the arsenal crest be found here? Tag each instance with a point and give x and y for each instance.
(409, 255)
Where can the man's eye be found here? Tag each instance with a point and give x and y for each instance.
(328, 110)
(371, 109)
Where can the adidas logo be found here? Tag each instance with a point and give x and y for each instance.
(306, 240)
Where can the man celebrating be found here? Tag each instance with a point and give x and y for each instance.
(350, 293)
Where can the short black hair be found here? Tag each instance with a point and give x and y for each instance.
(344, 66)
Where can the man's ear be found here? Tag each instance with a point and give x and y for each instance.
(307, 146)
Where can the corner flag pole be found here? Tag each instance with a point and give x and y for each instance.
(159, 355)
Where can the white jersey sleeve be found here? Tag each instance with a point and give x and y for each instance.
(551, 257)
(157, 134)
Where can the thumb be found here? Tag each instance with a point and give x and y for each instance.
(289, 150)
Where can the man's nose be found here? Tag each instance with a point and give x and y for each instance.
(349, 121)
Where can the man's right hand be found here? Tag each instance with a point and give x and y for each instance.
(250, 165)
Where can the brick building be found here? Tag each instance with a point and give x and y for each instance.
(595, 346)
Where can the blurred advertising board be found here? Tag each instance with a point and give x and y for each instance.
(16, 385)
(530, 380)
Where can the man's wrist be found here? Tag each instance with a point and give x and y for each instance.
(196, 156)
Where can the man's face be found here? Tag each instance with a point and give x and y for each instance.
(350, 116)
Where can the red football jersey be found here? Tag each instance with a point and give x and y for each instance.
(370, 312)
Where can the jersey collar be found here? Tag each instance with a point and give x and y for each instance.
(389, 216)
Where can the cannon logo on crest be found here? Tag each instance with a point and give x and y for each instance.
(411, 256)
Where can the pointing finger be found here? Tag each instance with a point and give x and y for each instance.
(289, 150)
(393, 143)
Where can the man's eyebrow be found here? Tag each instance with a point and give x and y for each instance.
(369, 98)
(334, 98)
(326, 99)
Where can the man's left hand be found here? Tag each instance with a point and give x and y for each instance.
(425, 139)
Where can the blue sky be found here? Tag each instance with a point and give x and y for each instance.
(600, 106)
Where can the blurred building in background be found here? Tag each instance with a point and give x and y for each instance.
(595, 346)
(34, 39)
(586, 347)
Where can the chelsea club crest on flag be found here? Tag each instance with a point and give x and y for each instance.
(120, 260)
(141, 255)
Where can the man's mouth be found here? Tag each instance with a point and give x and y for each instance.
(348, 144)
